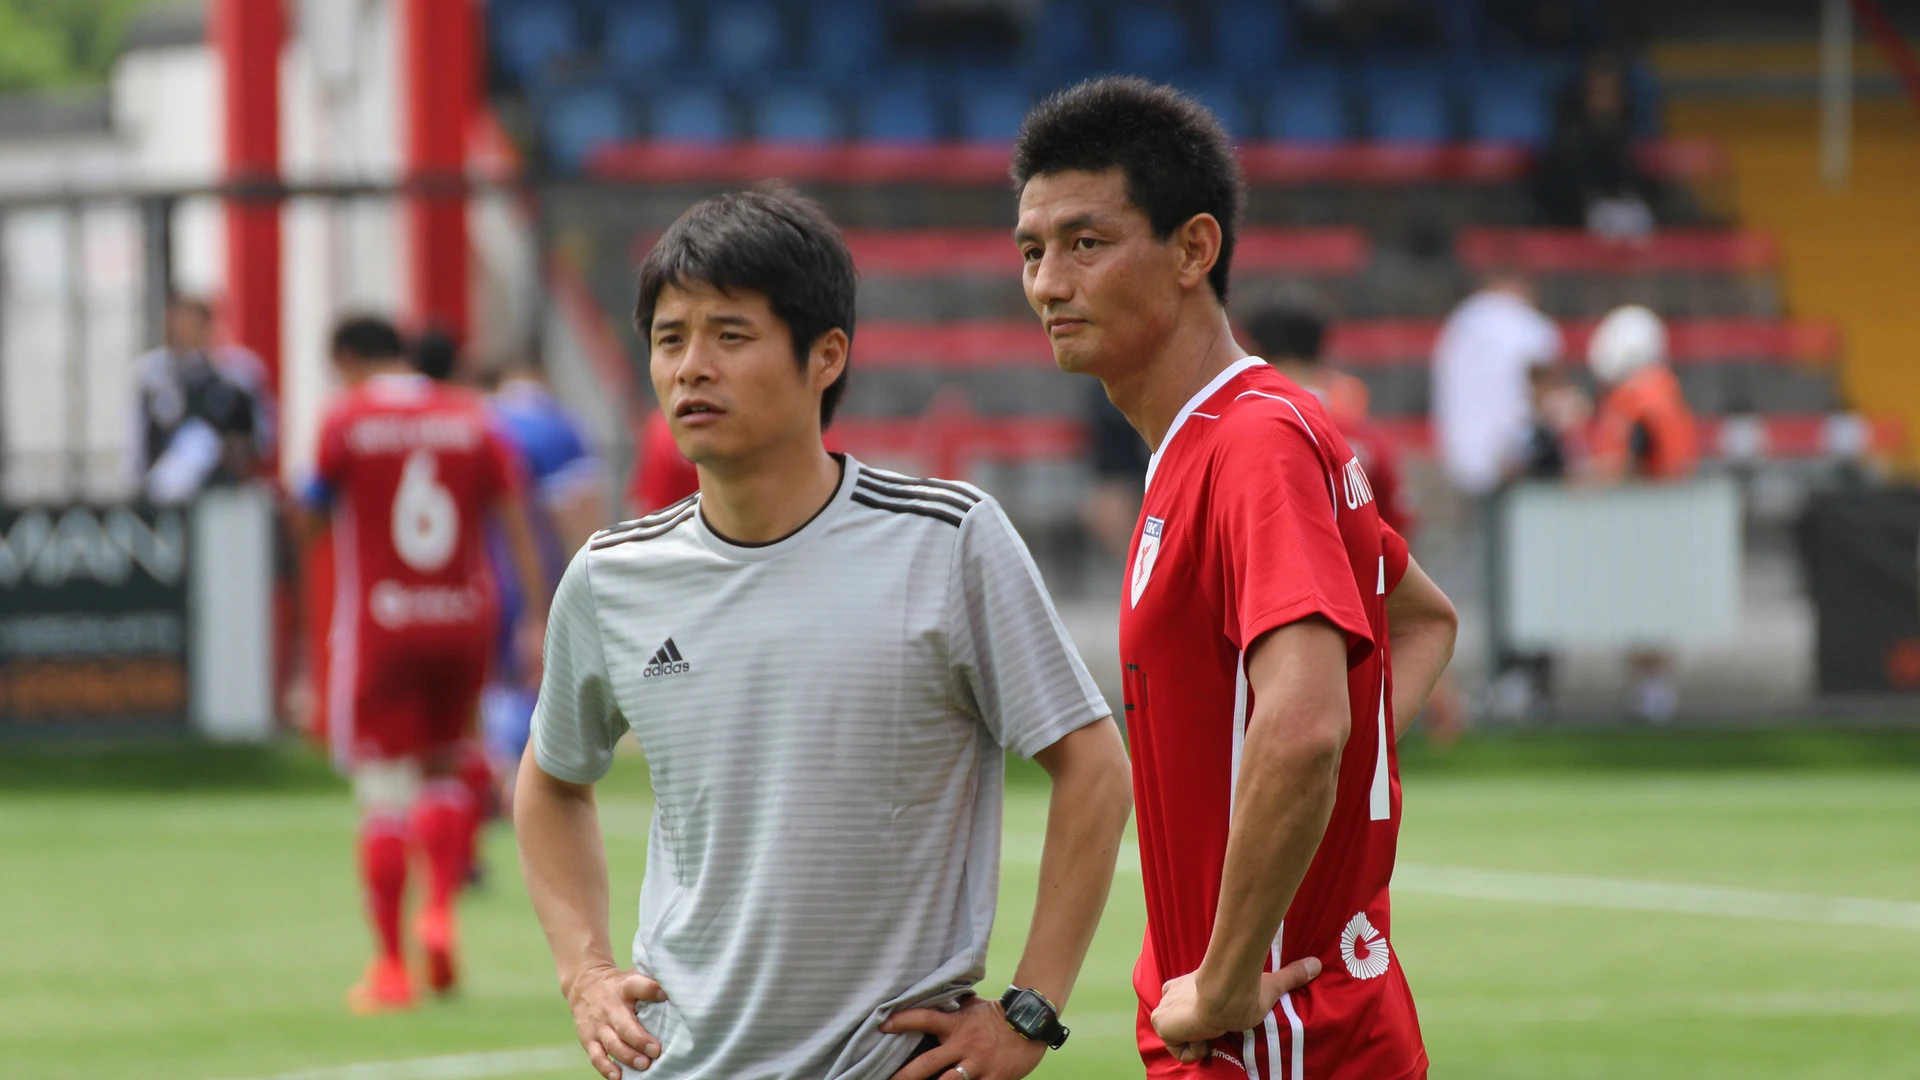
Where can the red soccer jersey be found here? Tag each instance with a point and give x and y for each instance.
(1257, 514)
(412, 469)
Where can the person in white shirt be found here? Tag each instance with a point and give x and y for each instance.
(1482, 418)
(1481, 399)
(825, 665)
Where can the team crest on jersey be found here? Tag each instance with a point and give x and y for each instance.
(1363, 948)
(1148, 554)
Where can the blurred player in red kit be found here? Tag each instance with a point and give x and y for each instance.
(407, 475)
(1274, 631)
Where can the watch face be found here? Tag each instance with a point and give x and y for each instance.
(1027, 1013)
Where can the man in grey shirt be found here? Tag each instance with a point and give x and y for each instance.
(824, 664)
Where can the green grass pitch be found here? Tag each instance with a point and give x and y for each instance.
(1633, 905)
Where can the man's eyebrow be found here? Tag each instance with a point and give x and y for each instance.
(663, 325)
(728, 319)
(1078, 221)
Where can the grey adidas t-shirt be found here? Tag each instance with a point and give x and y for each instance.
(825, 718)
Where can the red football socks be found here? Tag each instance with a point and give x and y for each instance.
(444, 822)
(383, 870)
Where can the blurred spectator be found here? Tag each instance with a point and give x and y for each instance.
(1643, 430)
(1111, 506)
(1482, 409)
(1480, 394)
(1586, 176)
(204, 414)
(1561, 412)
(1290, 339)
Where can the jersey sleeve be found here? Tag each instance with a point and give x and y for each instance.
(1393, 549)
(1013, 664)
(1278, 537)
(576, 721)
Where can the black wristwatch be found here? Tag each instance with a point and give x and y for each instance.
(1033, 1017)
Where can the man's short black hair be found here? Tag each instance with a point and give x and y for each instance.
(1176, 157)
(768, 240)
(436, 354)
(367, 337)
(1288, 332)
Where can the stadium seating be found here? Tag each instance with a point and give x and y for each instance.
(1249, 37)
(529, 36)
(645, 36)
(1149, 39)
(803, 113)
(1308, 106)
(691, 114)
(744, 37)
(1385, 183)
(581, 118)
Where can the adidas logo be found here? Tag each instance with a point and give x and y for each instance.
(666, 661)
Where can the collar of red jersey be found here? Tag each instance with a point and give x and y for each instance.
(1232, 372)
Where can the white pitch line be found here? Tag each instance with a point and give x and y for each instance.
(452, 1067)
(1663, 896)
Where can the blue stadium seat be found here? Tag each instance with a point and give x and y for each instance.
(846, 38)
(1221, 98)
(1308, 105)
(1149, 39)
(529, 35)
(1508, 105)
(897, 110)
(1407, 104)
(643, 36)
(1060, 41)
(991, 106)
(1250, 36)
(804, 114)
(691, 114)
(744, 36)
(577, 119)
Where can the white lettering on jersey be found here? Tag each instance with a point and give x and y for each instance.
(396, 607)
(1359, 492)
(388, 434)
(1149, 554)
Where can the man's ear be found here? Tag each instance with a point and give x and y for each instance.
(827, 359)
(1198, 241)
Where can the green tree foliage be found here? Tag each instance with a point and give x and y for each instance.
(55, 44)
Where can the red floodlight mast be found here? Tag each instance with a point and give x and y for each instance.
(248, 35)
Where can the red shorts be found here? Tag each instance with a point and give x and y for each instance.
(400, 699)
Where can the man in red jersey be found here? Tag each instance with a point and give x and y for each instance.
(408, 472)
(1264, 689)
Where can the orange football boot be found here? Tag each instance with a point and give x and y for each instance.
(434, 927)
(386, 987)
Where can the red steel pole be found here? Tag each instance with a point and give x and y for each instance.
(248, 35)
(439, 44)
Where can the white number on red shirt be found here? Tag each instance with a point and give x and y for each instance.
(426, 521)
